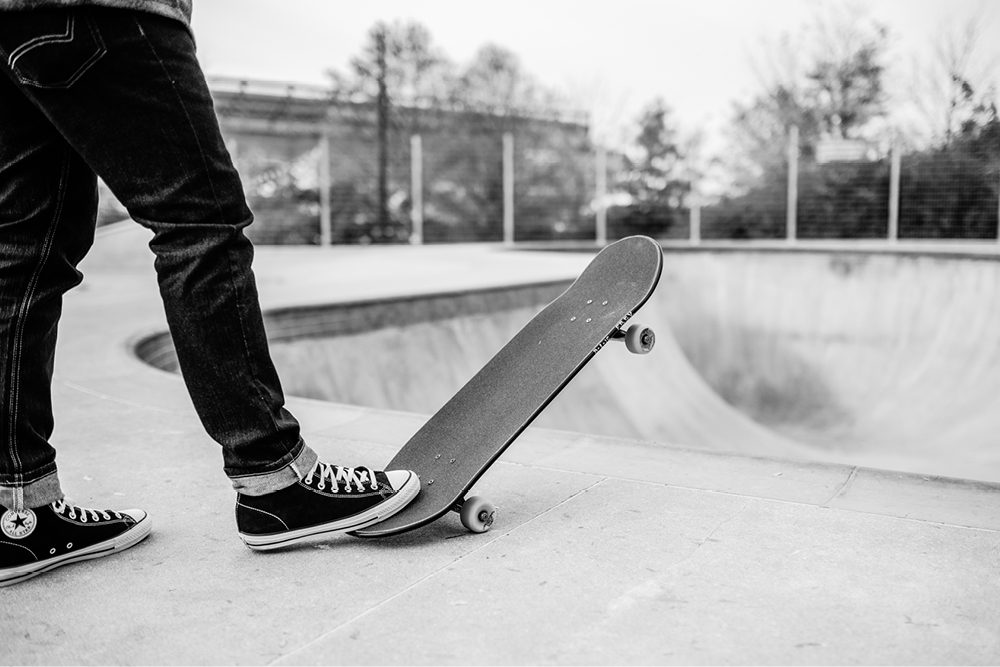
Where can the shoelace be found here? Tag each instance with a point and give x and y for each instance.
(60, 507)
(338, 474)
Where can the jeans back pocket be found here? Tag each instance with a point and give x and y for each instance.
(50, 49)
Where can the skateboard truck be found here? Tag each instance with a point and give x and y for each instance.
(638, 338)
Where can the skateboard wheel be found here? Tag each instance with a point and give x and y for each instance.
(639, 339)
(478, 514)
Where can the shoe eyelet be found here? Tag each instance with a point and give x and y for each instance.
(52, 551)
(69, 546)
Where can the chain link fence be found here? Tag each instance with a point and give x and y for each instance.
(948, 193)
(317, 170)
(851, 190)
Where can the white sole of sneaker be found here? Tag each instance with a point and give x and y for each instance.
(401, 499)
(129, 538)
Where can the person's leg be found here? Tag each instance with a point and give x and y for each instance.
(48, 207)
(141, 116)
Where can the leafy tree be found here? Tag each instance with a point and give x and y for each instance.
(651, 166)
(652, 174)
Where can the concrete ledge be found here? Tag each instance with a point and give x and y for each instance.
(934, 499)
(360, 317)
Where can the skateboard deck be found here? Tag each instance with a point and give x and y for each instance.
(465, 437)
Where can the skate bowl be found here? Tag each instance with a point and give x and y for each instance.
(867, 357)
(603, 542)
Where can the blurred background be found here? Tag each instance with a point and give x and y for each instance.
(436, 122)
(722, 128)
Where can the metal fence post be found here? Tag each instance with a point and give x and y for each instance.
(793, 184)
(508, 188)
(695, 212)
(325, 224)
(601, 167)
(417, 189)
(895, 167)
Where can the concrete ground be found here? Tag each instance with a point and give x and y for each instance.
(606, 550)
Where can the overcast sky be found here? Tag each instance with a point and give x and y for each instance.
(616, 55)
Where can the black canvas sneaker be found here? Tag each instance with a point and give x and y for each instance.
(330, 499)
(34, 541)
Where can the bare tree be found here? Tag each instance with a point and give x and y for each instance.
(826, 80)
(497, 83)
(414, 71)
(956, 82)
(606, 105)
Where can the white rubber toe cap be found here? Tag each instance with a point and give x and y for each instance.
(403, 480)
(137, 515)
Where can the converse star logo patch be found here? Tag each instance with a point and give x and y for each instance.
(18, 525)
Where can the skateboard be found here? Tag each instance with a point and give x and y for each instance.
(465, 437)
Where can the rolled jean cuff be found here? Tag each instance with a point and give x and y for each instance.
(39, 493)
(269, 482)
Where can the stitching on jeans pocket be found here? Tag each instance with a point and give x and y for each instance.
(58, 59)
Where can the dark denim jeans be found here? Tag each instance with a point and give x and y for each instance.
(93, 91)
